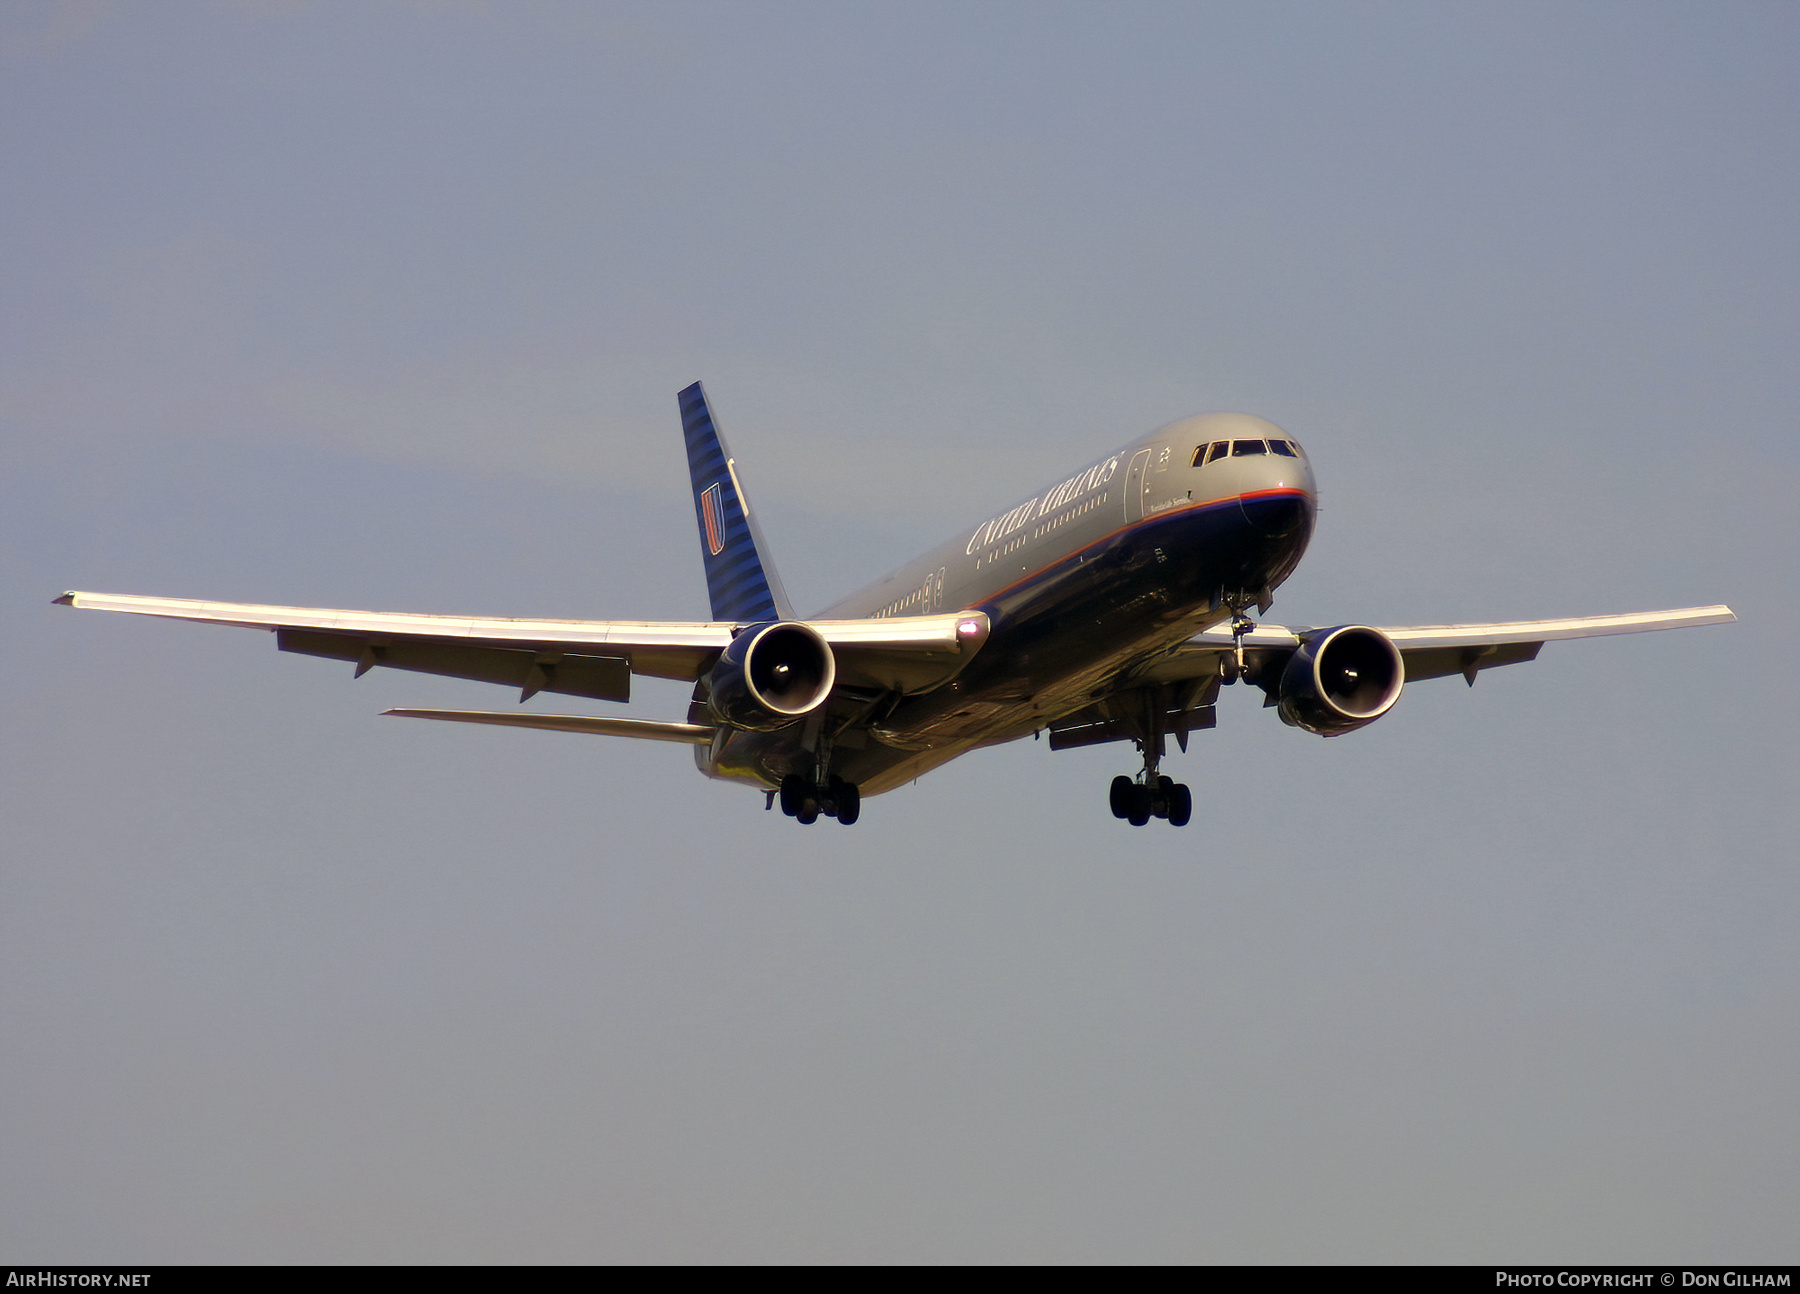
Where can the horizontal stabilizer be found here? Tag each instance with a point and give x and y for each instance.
(692, 734)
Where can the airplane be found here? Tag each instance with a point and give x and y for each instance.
(1109, 606)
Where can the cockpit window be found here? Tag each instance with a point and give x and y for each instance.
(1219, 450)
(1241, 448)
(1199, 456)
(1282, 447)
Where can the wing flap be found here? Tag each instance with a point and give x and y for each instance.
(1441, 662)
(604, 678)
(1101, 722)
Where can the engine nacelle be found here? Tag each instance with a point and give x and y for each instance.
(771, 676)
(1341, 680)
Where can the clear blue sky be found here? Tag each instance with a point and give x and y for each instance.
(387, 306)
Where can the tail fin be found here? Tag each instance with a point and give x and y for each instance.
(740, 580)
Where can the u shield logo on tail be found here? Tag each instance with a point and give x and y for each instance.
(712, 512)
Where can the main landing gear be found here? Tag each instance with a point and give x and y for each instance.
(1151, 795)
(805, 800)
(1160, 797)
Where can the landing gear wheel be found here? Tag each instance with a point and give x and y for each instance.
(806, 801)
(1181, 805)
(1140, 805)
(849, 801)
(1120, 796)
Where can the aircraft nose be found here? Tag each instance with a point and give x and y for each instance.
(1249, 458)
(1283, 503)
(1276, 513)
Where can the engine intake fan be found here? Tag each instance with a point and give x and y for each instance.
(771, 676)
(1341, 680)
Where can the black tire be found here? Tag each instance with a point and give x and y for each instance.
(1120, 795)
(1181, 805)
(793, 791)
(808, 812)
(849, 803)
(1140, 805)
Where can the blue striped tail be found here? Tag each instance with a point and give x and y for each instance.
(741, 582)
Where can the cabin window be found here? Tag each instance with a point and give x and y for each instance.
(1282, 447)
(1219, 450)
(1242, 448)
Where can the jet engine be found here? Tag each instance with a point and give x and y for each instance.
(1340, 680)
(772, 675)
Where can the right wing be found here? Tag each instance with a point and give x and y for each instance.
(591, 658)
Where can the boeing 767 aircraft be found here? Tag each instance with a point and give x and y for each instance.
(1108, 607)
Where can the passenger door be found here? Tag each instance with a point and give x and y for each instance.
(1137, 485)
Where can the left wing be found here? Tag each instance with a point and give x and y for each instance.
(1433, 651)
(592, 658)
(692, 734)
(1175, 693)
